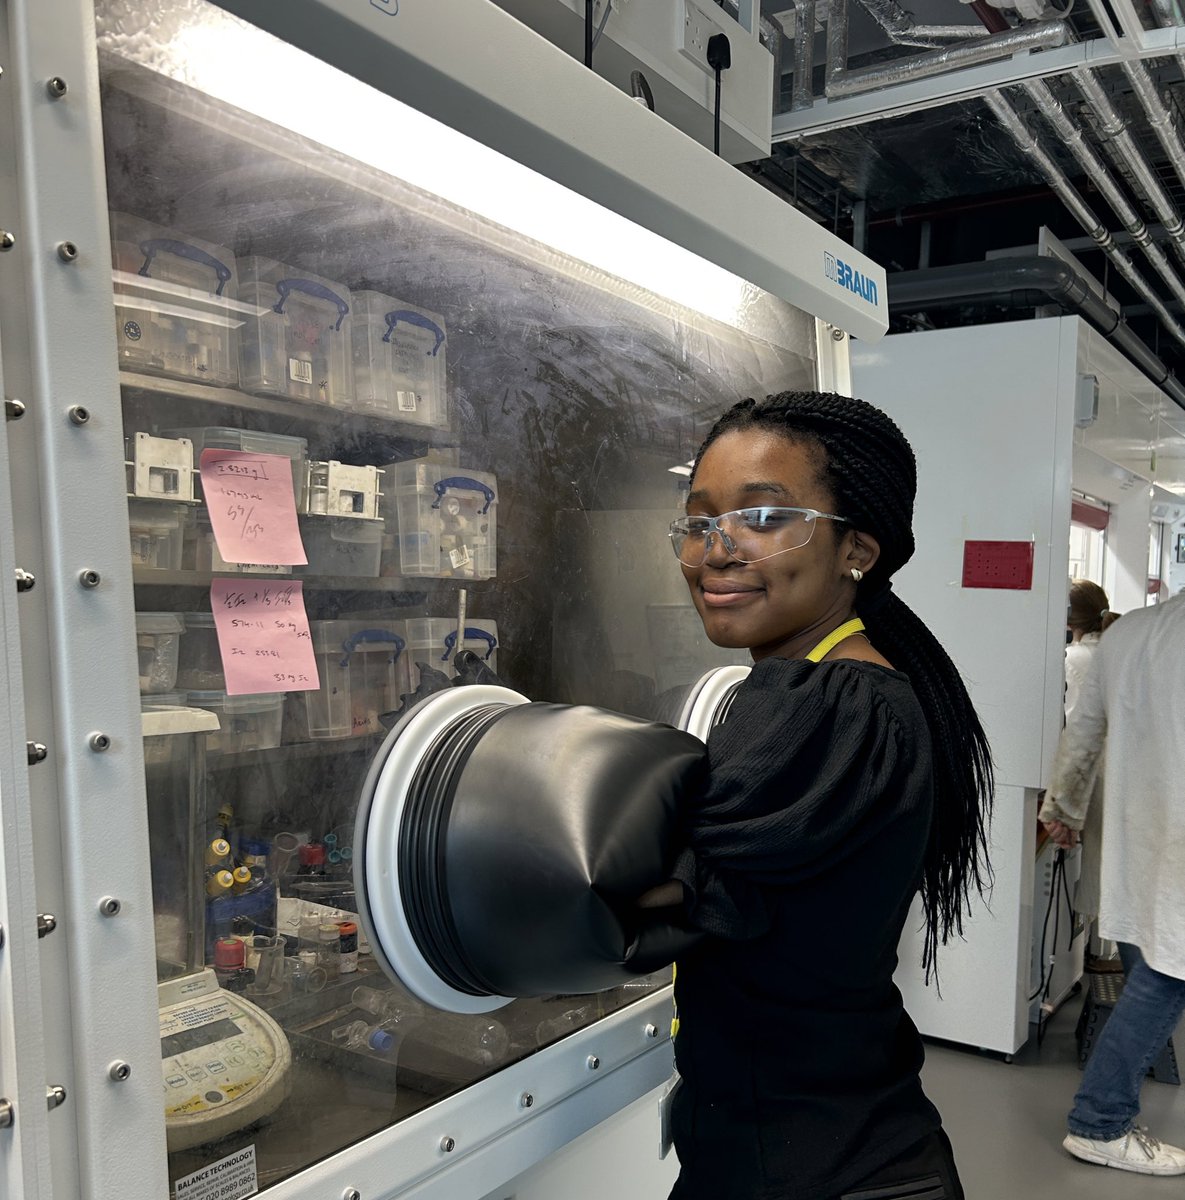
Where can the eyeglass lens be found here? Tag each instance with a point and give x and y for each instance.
(748, 534)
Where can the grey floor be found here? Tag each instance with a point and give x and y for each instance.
(1006, 1120)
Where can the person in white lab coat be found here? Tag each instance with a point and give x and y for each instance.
(1088, 615)
(1131, 698)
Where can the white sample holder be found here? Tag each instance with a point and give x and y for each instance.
(160, 468)
(160, 487)
(399, 360)
(334, 489)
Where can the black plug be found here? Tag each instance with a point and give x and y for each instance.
(719, 59)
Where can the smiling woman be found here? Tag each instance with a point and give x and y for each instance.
(851, 772)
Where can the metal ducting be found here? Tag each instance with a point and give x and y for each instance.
(1082, 212)
(1028, 283)
(844, 82)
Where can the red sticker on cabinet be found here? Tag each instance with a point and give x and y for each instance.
(998, 565)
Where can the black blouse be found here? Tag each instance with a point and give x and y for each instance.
(804, 855)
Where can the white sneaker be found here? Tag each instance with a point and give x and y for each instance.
(1137, 1150)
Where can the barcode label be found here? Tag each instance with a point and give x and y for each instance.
(459, 557)
(300, 370)
(406, 401)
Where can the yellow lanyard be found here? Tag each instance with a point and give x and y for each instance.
(833, 639)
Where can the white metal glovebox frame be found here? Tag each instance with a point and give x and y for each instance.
(79, 1006)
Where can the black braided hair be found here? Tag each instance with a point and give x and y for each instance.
(871, 471)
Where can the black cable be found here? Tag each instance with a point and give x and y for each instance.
(588, 33)
(1045, 930)
(719, 59)
(1069, 911)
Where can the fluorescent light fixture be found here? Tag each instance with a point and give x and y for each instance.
(242, 66)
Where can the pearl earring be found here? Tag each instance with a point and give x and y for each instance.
(857, 574)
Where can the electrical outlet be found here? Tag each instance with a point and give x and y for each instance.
(692, 38)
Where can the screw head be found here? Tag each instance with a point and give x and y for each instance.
(838, 335)
(109, 906)
(35, 752)
(119, 1071)
(7, 240)
(14, 410)
(526, 1100)
(90, 578)
(99, 742)
(25, 580)
(351, 1194)
(652, 1031)
(78, 415)
(593, 1062)
(56, 87)
(448, 1144)
(67, 251)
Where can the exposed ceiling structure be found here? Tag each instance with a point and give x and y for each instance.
(933, 133)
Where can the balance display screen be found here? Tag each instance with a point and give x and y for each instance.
(193, 1039)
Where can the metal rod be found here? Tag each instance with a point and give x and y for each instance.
(462, 606)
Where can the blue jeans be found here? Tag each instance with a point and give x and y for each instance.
(1108, 1102)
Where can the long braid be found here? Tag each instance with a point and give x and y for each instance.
(871, 471)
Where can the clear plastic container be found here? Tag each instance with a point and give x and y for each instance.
(246, 722)
(399, 368)
(157, 533)
(175, 311)
(444, 521)
(206, 556)
(432, 640)
(342, 546)
(158, 640)
(363, 668)
(199, 664)
(251, 441)
(299, 344)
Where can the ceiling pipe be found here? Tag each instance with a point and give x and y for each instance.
(1101, 177)
(1130, 157)
(1158, 115)
(840, 81)
(1080, 210)
(1028, 283)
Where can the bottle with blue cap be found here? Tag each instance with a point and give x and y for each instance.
(358, 1035)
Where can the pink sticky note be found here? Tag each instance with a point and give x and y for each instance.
(252, 507)
(263, 635)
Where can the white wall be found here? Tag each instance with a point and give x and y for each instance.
(989, 412)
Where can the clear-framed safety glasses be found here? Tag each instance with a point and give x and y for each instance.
(748, 534)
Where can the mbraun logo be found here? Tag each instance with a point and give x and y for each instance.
(841, 273)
